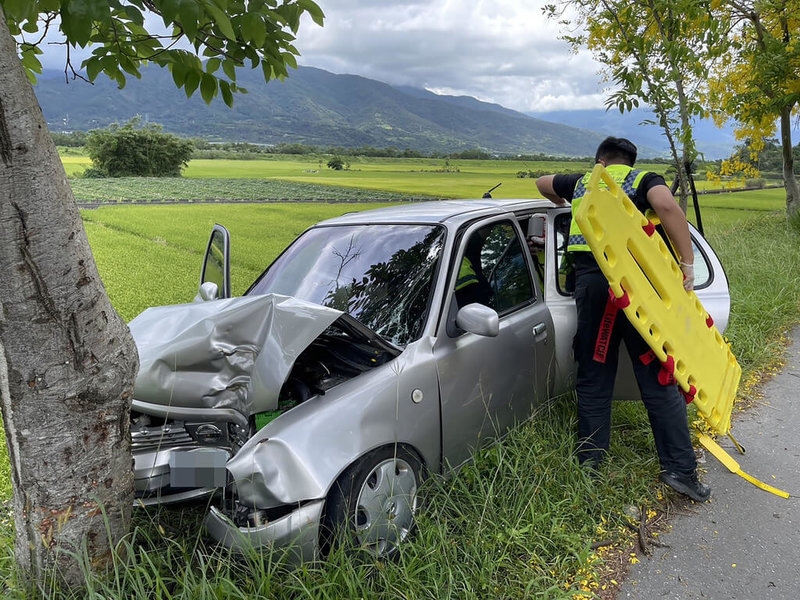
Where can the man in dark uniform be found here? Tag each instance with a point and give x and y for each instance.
(597, 349)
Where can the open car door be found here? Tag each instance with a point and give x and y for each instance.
(215, 276)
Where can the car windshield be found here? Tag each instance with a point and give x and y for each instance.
(380, 274)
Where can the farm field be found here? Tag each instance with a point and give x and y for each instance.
(367, 178)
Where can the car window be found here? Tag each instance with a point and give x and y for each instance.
(702, 268)
(493, 270)
(380, 274)
(565, 277)
(565, 281)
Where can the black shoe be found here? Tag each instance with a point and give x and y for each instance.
(688, 485)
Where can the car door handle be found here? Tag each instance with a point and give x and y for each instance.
(539, 329)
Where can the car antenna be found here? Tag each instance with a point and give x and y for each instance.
(489, 193)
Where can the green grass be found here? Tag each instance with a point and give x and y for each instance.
(517, 522)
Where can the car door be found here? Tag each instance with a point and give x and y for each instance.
(489, 383)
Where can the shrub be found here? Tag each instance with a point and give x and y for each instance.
(94, 173)
(336, 163)
(758, 183)
(133, 150)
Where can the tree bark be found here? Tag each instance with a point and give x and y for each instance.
(67, 360)
(789, 179)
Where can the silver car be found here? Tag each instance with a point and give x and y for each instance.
(379, 346)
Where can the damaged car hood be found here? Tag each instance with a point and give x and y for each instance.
(234, 353)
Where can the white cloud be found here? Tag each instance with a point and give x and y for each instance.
(503, 51)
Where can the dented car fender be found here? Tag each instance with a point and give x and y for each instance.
(392, 404)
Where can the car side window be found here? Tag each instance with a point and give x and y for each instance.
(565, 276)
(702, 268)
(493, 270)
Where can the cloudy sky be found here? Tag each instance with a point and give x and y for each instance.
(502, 51)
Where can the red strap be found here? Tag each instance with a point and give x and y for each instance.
(621, 302)
(606, 327)
(665, 375)
(689, 396)
(709, 322)
(649, 229)
(647, 357)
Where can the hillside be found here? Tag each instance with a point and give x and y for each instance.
(312, 106)
(712, 141)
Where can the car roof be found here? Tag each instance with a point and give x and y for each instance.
(438, 211)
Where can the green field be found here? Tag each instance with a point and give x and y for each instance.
(306, 177)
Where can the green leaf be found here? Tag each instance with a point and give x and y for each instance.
(169, 11)
(208, 87)
(16, 10)
(188, 16)
(76, 21)
(178, 73)
(212, 64)
(30, 27)
(221, 19)
(253, 29)
(290, 59)
(191, 82)
(134, 15)
(227, 95)
(314, 11)
(93, 67)
(30, 62)
(229, 67)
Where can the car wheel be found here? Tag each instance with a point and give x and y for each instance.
(373, 504)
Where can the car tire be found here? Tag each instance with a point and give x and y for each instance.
(373, 503)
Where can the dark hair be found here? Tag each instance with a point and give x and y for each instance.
(614, 149)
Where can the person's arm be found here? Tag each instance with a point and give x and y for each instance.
(545, 186)
(674, 222)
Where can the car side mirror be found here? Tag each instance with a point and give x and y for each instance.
(208, 291)
(478, 319)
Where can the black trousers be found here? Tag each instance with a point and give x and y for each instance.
(665, 405)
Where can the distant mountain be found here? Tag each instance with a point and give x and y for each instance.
(312, 106)
(712, 141)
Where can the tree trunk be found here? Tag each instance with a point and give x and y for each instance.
(789, 179)
(67, 361)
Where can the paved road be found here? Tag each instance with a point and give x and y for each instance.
(745, 543)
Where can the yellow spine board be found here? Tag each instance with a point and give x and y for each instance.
(672, 321)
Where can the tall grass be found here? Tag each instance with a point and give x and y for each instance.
(518, 522)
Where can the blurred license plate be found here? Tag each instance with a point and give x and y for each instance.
(202, 467)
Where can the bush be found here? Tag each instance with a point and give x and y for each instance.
(94, 173)
(130, 150)
(70, 139)
(758, 183)
(336, 163)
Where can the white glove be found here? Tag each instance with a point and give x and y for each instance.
(688, 276)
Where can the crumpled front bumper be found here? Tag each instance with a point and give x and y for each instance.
(298, 532)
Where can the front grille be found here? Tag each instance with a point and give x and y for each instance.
(148, 439)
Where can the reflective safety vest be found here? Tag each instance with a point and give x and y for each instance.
(626, 177)
(466, 274)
